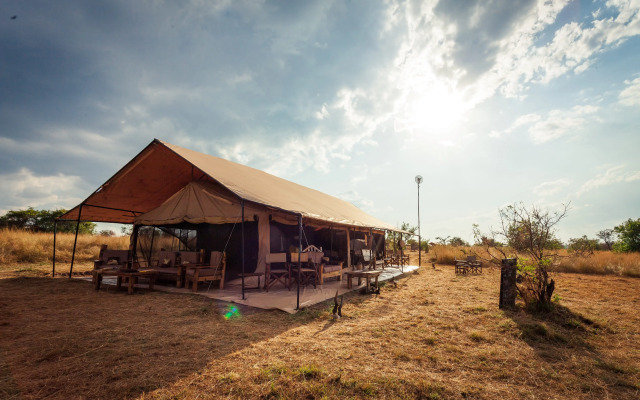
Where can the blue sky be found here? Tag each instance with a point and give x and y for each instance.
(492, 102)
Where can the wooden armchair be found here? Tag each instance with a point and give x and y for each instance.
(326, 271)
(277, 270)
(308, 271)
(214, 271)
(110, 259)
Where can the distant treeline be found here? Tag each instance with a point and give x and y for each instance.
(42, 221)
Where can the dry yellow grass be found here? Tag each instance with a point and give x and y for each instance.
(18, 246)
(599, 263)
(602, 262)
(433, 335)
(36, 249)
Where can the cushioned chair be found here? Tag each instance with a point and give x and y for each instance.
(166, 267)
(110, 259)
(326, 271)
(277, 270)
(214, 271)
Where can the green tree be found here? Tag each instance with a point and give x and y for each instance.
(582, 246)
(608, 236)
(408, 238)
(628, 236)
(42, 221)
(457, 241)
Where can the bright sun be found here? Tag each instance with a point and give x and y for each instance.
(436, 110)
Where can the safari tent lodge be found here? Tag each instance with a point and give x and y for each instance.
(196, 207)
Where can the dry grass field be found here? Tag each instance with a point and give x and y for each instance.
(37, 248)
(430, 335)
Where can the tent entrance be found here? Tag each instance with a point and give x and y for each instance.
(205, 238)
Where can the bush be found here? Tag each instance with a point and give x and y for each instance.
(628, 236)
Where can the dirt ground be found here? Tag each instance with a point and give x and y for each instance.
(430, 335)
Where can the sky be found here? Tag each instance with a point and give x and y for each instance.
(492, 102)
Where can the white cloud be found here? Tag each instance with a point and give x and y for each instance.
(323, 113)
(613, 175)
(550, 188)
(561, 123)
(24, 189)
(558, 123)
(359, 201)
(520, 60)
(630, 96)
(447, 143)
(295, 155)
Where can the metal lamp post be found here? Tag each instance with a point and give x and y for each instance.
(419, 181)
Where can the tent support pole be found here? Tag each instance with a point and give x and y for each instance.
(55, 231)
(134, 244)
(348, 249)
(242, 205)
(331, 241)
(153, 234)
(299, 259)
(75, 241)
(372, 258)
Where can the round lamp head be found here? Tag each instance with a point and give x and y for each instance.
(418, 179)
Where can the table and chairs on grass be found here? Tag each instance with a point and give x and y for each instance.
(470, 265)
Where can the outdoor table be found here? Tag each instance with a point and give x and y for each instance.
(367, 274)
(130, 274)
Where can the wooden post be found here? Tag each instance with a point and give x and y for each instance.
(331, 241)
(348, 249)
(75, 241)
(55, 230)
(372, 257)
(133, 246)
(508, 290)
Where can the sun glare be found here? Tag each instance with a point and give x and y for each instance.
(436, 110)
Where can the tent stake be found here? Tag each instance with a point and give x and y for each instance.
(55, 230)
(75, 241)
(242, 205)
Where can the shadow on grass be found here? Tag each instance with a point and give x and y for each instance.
(562, 335)
(61, 338)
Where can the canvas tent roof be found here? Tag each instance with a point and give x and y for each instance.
(162, 170)
(196, 203)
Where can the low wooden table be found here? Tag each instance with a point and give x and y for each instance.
(367, 274)
(131, 275)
